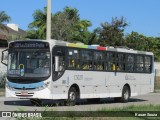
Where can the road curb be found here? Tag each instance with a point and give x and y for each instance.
(157, 91)
(1, 94)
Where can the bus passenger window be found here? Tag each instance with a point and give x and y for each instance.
(148, 64)
(139, 64)
(113, 67)
(118, 67)
(71, 63)
(99, 60)
(130, 65)
(73, 58)
(86, 60)
(59, 57)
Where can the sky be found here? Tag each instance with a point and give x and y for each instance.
(143, 16)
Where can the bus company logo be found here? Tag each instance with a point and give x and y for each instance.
(6, 114)
(78, 77)
(126, 77)
(130, 77)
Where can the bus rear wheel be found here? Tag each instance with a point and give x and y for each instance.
(72, 97)
(125, 94)
(36, 102)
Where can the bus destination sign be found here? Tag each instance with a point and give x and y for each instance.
(31, 45)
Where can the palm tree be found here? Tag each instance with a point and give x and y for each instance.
(3, 18)
(39, 23)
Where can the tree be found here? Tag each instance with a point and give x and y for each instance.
(140, 42)
(80, 32)
(4, 18)
(63, 23)
(33, 34)
(111, 34)
(157, 55)
(136, 41)
(68, 26)
(38, 26)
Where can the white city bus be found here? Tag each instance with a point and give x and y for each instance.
(58, 70)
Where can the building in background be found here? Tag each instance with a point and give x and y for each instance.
(8, 33)
(11, 32)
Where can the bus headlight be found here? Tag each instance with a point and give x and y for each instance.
(10, 88)
(44, 86)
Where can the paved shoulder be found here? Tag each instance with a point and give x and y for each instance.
(24, 104)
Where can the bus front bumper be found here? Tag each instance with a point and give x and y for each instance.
(40, 94)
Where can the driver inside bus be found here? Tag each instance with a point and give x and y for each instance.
(13, 65)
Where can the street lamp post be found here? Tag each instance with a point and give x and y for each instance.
(48, 32)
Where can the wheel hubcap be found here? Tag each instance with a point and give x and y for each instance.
(126, 95)
(72, 96)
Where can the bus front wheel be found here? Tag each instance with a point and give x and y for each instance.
(125, 94)
(72, 97)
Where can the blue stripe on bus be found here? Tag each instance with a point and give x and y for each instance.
(92, 47)
(32, 85)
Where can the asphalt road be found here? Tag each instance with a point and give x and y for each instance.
(13, 104)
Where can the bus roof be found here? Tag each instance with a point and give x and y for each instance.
(95, 47)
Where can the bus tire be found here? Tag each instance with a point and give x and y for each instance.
(72, 97)
(36, 102)
(125, 94)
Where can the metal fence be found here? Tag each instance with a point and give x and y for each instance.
(157, 80)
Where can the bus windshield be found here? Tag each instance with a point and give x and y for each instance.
(28, 63)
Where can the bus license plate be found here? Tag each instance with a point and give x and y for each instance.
(24, 93)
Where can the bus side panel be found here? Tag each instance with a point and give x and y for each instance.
(93, 84)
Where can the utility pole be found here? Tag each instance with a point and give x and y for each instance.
(48, 32)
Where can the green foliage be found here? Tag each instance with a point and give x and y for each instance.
(136, 41)
(4, 18)
(32, 34)
(149, 107)
(111, 34)
(38, 26)
(63, 23)
(140, 42)
(67, 26)
(2, 79)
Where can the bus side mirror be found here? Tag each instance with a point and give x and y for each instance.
(4, 57)
(56, 63)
